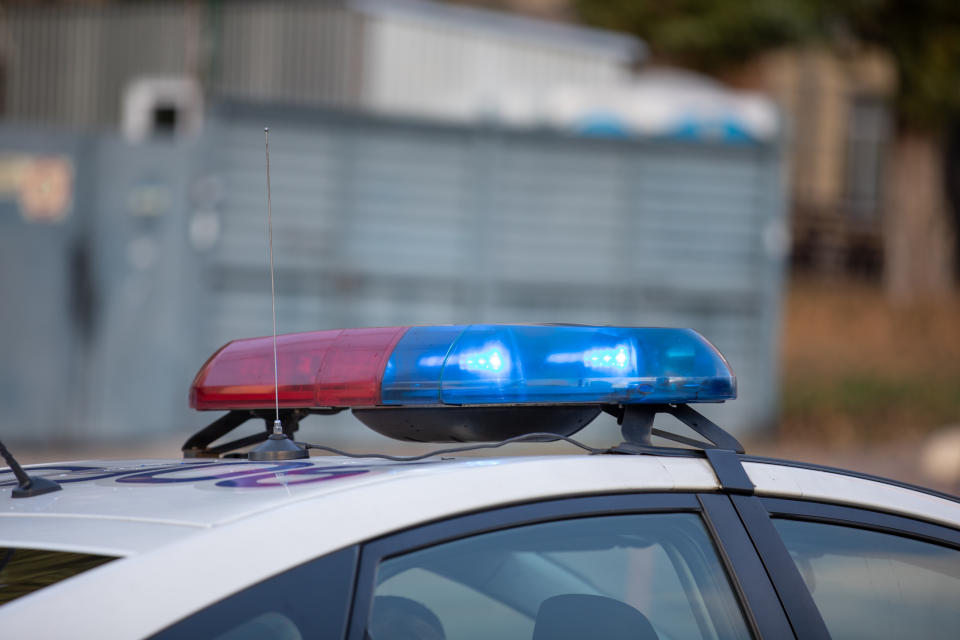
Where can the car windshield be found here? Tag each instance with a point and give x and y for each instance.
(23, 571)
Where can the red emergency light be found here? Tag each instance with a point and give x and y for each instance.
(338, 368)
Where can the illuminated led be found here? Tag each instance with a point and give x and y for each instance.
(615, 358)
(487, 359)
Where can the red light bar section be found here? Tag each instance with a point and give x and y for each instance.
(316, 369)
(353, 369)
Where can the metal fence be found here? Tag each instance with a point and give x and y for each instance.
(379, 222)
(71, 65)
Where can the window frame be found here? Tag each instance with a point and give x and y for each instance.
(757, 515)
(880, 521)
(835, 514)
(762, 612)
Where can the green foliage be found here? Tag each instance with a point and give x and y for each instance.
(922, 36)
(868, 405)
(706, 34)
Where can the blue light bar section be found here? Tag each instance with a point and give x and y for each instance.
(556, 364)
(413, 372)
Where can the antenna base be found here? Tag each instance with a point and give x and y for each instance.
(27, 485)
(35, 487)
(278, 447)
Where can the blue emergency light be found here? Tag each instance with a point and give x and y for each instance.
(542, 364)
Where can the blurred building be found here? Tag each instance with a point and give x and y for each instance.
(151, 68)
(838, 114)
(431, 164)
(151, 65)
(838, 120)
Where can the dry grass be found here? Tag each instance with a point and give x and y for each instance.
(858, 369)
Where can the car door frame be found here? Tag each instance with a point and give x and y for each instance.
(758, 514)
(860, 518)
(763, 611)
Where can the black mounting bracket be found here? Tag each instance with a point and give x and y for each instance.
(721, 449)
(198, 445)
(636, 425)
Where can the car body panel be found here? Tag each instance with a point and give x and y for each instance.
(229, 537)
(790, 481)
(238, 553)
(99, 536)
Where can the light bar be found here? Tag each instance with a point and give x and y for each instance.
(473, 365)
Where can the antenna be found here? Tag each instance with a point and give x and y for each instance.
(277, 428)
(278, 446)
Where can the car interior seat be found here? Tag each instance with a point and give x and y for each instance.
(397, 618)
(579, 616)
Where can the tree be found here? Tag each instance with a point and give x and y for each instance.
(922, 37)
(706, 34)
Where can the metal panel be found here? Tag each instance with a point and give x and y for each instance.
(380, 222)
(146, 347)
(377, 222)
(293, 52)
(99, 330)
(422, 63)
(70, 65)
(46, 310)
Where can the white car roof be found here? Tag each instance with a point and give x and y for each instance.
(166, 515)
(123, 508)
(126, 507)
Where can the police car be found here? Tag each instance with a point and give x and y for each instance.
(640, 541)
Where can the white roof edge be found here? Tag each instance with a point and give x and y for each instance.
(628, 48)
(787, 481)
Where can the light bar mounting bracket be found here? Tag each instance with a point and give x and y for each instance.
(198, 445)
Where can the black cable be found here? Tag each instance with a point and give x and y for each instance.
(532, 437)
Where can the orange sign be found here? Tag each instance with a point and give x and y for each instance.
(46, 188)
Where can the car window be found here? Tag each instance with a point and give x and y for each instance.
(308, 601)
(636, 576)
(876, 585)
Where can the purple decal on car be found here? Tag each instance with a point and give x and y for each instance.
(79, 473)
(300, 476)
(241, 473)
(155, 476)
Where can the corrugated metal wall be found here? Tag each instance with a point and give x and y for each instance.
(376, 222)
(288, 52)
(99, 331)
(380, 223)
(45, 318)
(416, 64)
(70, 65)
